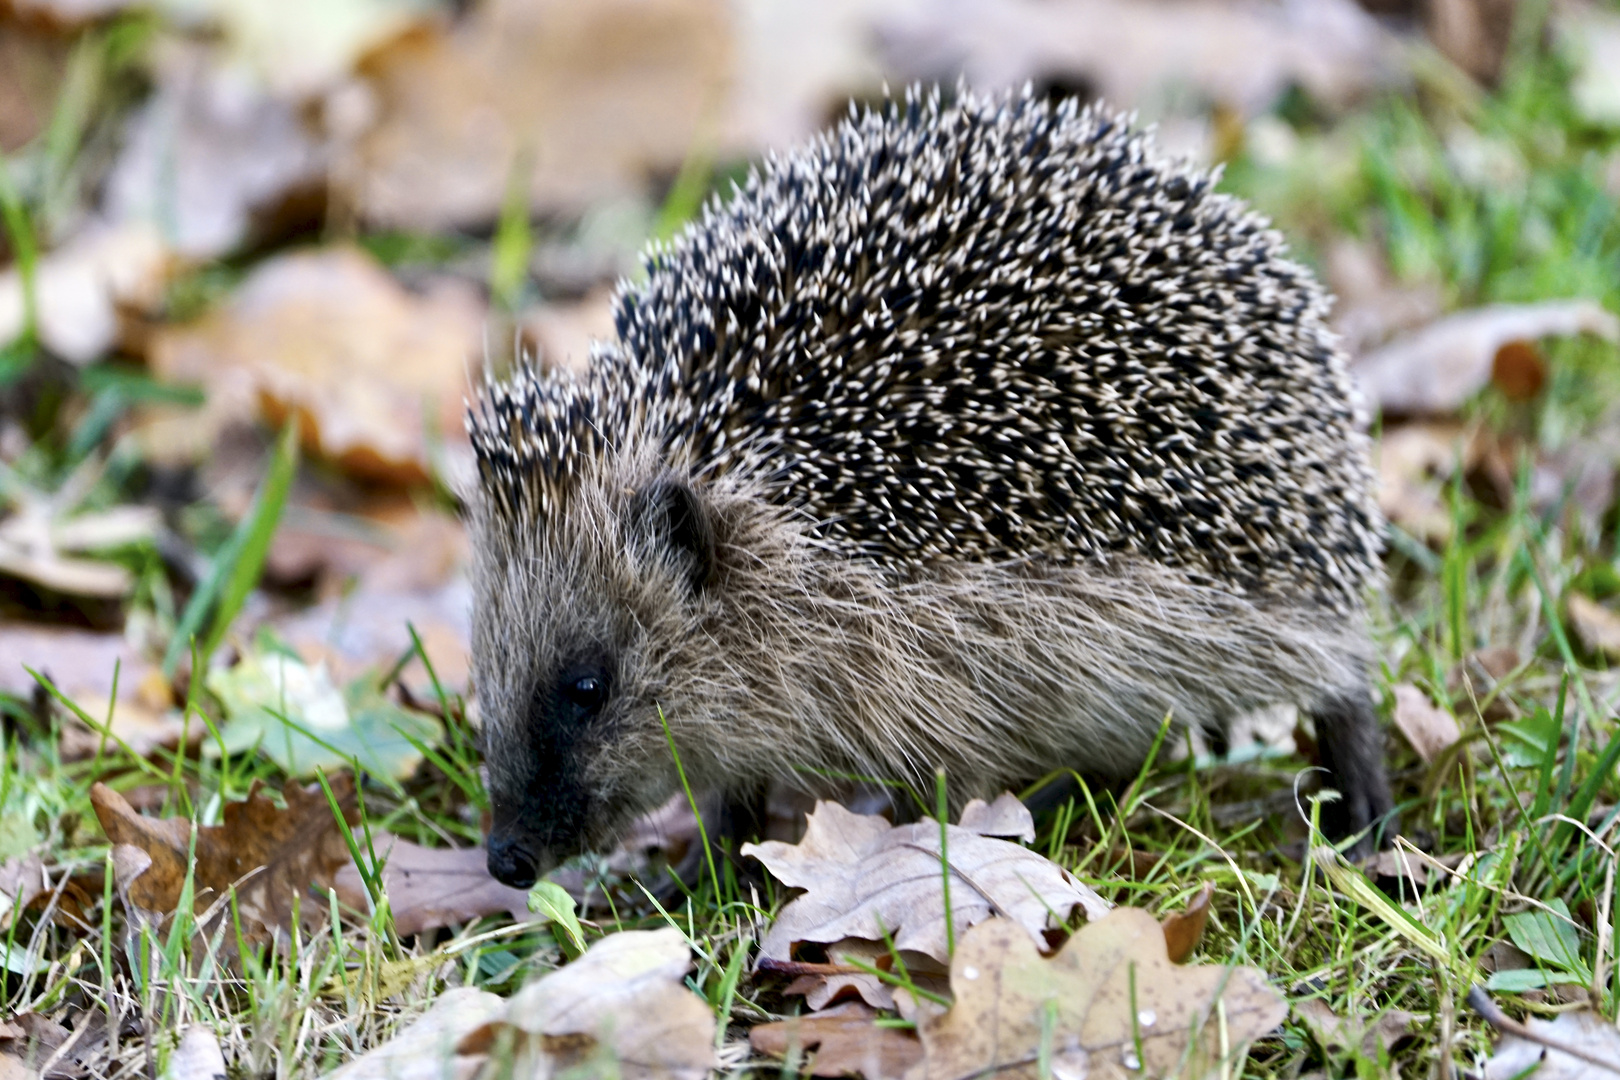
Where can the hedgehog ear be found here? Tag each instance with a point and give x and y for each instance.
(671, 514)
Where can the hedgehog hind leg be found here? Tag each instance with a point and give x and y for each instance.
(1351, 747)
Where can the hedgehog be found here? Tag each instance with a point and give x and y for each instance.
(975, 435)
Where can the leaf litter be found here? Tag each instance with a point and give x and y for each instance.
(623, 1005)
(277, 859)
(865, 878)
(1109, 1004)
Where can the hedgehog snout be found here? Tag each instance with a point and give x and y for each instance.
(512, 861)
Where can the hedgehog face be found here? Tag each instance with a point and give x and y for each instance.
(569, 682)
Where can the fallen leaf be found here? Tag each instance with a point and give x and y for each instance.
(300, 48)
(1498, 661)
(1596, 626)
(797, 64)
(369, 368)
(296, 715)
(1372, 305)
(842, 1041)
(47, 531)
(80, 663)
(1005, 817)
(81, 287)
(1184, 929)
(292, 854)
(1415, 462)
(1519, 370)
(1473, 34)
(140, 722)
(426, 1048)
(842, 975)
(1431, 730)
(39, 1041)
(1133, 53)
(22, 881)
(622, 1005)
(1110, 993)
(198, 1057)
(1583, 1029)
(369, 629)
(1336, 1034)
(562, 333)
(866, 878)
(1439, 367)
(211, 155)
(592, 96)
(1590, 36)
(33, 62)
(627, 997)
(29, 1040)
(433, 887)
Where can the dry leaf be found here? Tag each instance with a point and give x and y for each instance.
(426, 1049)
(81, 286)
(1590, 36)
(77, 661)
(29, 1041)
(1005, 817)
(41, 541)
(292, 854)
(433, 887)
(1184, 929)
(329, 335)
(12, 1068)
(1108, 991)
(1438, 368)
(370, 629)
(1473, 34)
(591, 95)
(840, 1042)
(211, 154)
(798, 64)
(864, 877)
(1519, 370)
(624, 999)
(1134, 53)
(822, 984)
(1596, 626)
(1585, 1030)
(1431, 730)
(1336, 1034)
(562, 333)
(22, 881)
(33, 61)
(198, 1057)
(300, 48)
(1372, 305)
(1414, 463)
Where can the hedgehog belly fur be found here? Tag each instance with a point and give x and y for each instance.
(997, 672)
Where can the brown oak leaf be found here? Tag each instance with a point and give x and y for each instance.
(276, 858)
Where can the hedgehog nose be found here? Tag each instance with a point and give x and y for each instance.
(511, 863)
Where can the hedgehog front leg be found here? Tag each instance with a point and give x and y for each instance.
(1352, 750)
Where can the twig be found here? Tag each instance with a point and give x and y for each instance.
(1481, 1003)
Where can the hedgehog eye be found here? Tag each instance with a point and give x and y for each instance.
(587, 692)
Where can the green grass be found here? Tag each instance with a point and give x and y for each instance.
(1522, 811)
